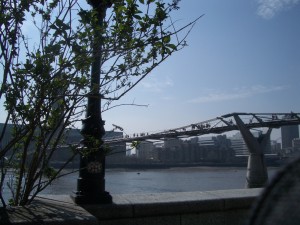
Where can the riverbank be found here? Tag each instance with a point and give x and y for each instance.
(137, 165)
(175, 165)
(171, 165)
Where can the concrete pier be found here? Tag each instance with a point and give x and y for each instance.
(257, 174)
(180, 208)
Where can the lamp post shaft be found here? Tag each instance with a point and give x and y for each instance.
(91, 180)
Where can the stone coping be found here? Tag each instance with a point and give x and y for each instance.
(60, 209)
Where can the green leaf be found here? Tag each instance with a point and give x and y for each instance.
(172, 46)
(167, 39)
(137, 17)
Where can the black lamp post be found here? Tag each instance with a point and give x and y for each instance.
(91, 180)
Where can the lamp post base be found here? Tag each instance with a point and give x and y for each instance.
(91, 190)
(103, 198)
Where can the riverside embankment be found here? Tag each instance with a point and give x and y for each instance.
(181, 208)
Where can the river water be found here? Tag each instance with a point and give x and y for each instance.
(121, 181)
(128, 181)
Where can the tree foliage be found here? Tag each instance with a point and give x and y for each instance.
(45, 62)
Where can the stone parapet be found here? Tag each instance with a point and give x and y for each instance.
(209, 207)
(180, 208)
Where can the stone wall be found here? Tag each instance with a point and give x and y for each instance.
(180, 208)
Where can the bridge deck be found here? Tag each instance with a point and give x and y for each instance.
(217, 125)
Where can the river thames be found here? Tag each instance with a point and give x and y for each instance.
(177, 179)
(122, 181)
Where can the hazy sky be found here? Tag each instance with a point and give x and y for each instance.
(243, 56)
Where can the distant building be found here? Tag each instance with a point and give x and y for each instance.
(172, 143)
(171, 151)
(190, 150)
(72, 137)
(288, 133)
(208, 150)
(216, 149)
(195, 150)
(296, 144)
(275, 147)
(145, 151)
(240, 148)
(7, 135)
(238, 144)
(115, 153)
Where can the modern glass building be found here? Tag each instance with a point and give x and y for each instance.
(288, 134)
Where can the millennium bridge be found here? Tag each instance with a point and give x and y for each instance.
(257, 175)
(218, 125)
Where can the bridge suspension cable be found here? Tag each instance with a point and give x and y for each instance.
(217, 125)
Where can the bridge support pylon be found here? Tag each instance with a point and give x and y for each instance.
(257, 174)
